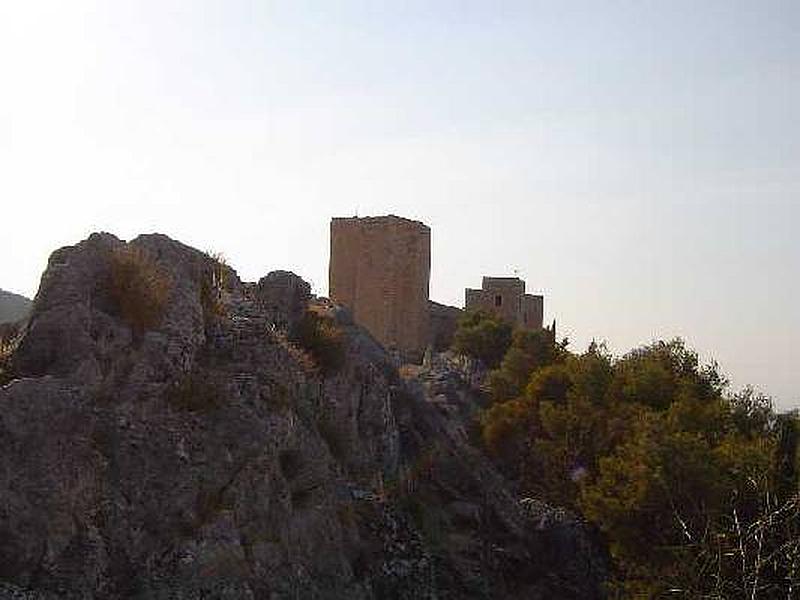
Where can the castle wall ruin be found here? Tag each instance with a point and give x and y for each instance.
(506, 297)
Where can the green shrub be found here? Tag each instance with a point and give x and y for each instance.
(139, 288)
(413, 491)
(321, 338)
(483, 336)
(505, 431)
(694, 490)
(527, 352)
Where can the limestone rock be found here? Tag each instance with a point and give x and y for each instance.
(283, 295)
(208, 457)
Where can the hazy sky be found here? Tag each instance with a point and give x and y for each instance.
(638, 162)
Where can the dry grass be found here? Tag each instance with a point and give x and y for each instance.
(8, 342)
(409, 371)
(139, 287)
(213, 281)
(322, 339)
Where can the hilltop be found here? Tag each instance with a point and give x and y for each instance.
(169, 430)
(13, 307)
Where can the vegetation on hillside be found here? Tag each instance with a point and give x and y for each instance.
(8, 335)
(214, 278)
(139, 288)
(13, 307)
(694, 488)
(320, 337)
(483, 336)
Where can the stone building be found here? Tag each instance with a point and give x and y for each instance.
(506, 297)
(380, 269)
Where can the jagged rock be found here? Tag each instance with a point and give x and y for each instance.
(283, 295)
(209, 457)
(75, 330)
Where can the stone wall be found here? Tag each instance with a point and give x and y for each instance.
(532, 311)
(380, 270)
(506, 297)
(443, 321)
(500, 295)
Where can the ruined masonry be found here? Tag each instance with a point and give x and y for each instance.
(506, 297)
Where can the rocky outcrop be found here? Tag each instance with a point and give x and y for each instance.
(283, 295)
(209, 456)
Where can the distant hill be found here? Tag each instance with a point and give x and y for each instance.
(13, 307)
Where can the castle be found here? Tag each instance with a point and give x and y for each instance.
(380, 269)
(506, 297)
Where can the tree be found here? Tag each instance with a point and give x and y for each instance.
(529, 350)
(483, 336)
(655, 374)
(651, 496)
(506, 430)
(695, 490)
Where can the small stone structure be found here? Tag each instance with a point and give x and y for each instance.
(380, 269)
(506, 297)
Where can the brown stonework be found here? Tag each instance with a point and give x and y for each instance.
(506, 297)
(380, 270)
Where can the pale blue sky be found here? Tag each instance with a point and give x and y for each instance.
(638, 162)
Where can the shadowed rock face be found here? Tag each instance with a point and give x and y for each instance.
(208, 457)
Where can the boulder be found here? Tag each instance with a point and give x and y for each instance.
(283, 295)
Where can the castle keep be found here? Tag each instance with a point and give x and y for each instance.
(380, 269)
(506, 297)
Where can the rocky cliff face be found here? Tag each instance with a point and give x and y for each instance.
(209, 456)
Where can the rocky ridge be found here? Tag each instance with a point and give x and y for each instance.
(210, 456)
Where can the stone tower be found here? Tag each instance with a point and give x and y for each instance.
(380, 269)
